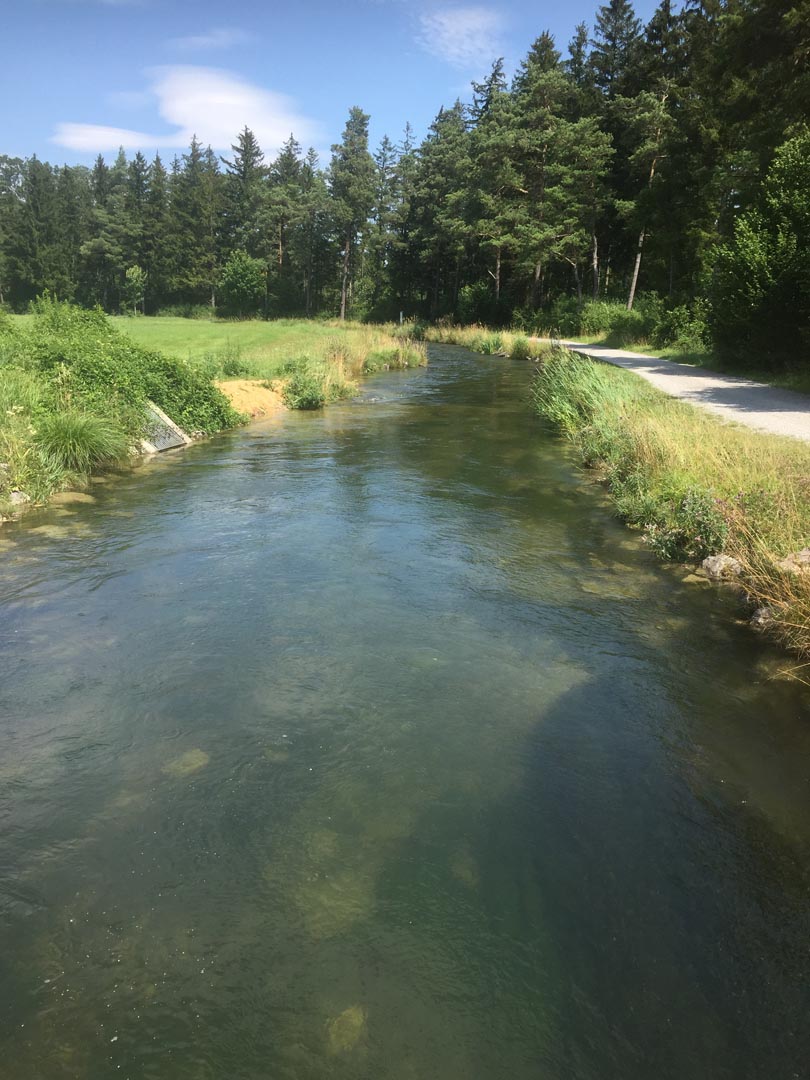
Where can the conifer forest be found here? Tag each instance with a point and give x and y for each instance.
(665, 165)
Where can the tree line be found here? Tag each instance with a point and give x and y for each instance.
(644, 159)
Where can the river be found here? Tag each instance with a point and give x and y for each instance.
(366, 744)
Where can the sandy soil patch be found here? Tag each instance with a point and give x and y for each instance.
(251, 396)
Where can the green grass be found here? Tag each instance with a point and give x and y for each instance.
(72, 398)
(692, 484)
(258, 349)
(797, 380)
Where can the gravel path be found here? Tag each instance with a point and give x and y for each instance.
(765, 408)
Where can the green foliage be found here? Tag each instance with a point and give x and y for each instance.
(135, 288)
(678, 474)
(187, 311)
(303, 390)
(761, 285)
(98, 370)
(490, 344)
(80, 442)
(242, 284)
(684, 327)
(521, 349)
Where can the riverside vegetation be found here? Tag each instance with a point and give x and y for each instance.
(73, 387)
(694, 485)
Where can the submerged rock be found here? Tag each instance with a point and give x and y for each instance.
(61, 498)
(344, 1032)
(721, 567)
(187, 763)
(762, 618)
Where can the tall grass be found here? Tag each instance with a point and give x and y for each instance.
(79, 442)
(693, 484)
(72, 398)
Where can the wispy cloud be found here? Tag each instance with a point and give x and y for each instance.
(467, 37)
(222, 37)
(211, 103)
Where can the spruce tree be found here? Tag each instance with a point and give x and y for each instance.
(351, 183)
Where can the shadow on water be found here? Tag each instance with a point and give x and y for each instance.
(368, 744)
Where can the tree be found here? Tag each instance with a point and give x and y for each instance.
(440, 225)
(351, 184)
(243, 193)
(242, 286)
(135, 288)
(614, 47)
(761, 283)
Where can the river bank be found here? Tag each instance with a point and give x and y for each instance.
(694, 486)
(76, 385)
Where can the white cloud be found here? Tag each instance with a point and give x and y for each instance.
(466, 37)
(211, 103)
(222, 37)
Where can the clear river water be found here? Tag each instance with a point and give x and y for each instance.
(366, 745)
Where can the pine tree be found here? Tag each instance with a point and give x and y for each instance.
(351, 183)
(243, 193)
(156, 237)
(614, 47)
(440, 209)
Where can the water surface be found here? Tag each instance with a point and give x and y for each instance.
(366, 745)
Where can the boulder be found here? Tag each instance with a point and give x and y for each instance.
(721, 567)
(19, 498)
(797, 563)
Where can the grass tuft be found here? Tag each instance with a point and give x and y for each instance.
(80, 442)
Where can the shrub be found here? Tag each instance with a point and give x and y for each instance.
(80, 442)
(683, 327)
(243, 284)
(490, 344)
(521, 348)
(303, 390)
(187, 311)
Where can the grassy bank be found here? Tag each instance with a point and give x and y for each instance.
(72, 396)
(692, 484)
(73, 383)
(311, 362)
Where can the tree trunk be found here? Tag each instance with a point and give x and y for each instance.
(595, 265)
(636, 269)
(578, 281)
(641, 235)
(498, 275)
(538, 271)
(345, 283)
(280, 244)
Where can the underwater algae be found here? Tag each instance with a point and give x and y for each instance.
(186, 764)
(345, 1031)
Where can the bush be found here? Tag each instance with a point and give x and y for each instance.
(94, 368)
(80, 442)
(303, 390)
(521, 348)
(490, 344)
(683, 327)
(243, 284)
(187, 311)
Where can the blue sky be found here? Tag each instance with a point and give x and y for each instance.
(82, 77)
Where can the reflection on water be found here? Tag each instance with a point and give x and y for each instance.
(366, 745)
